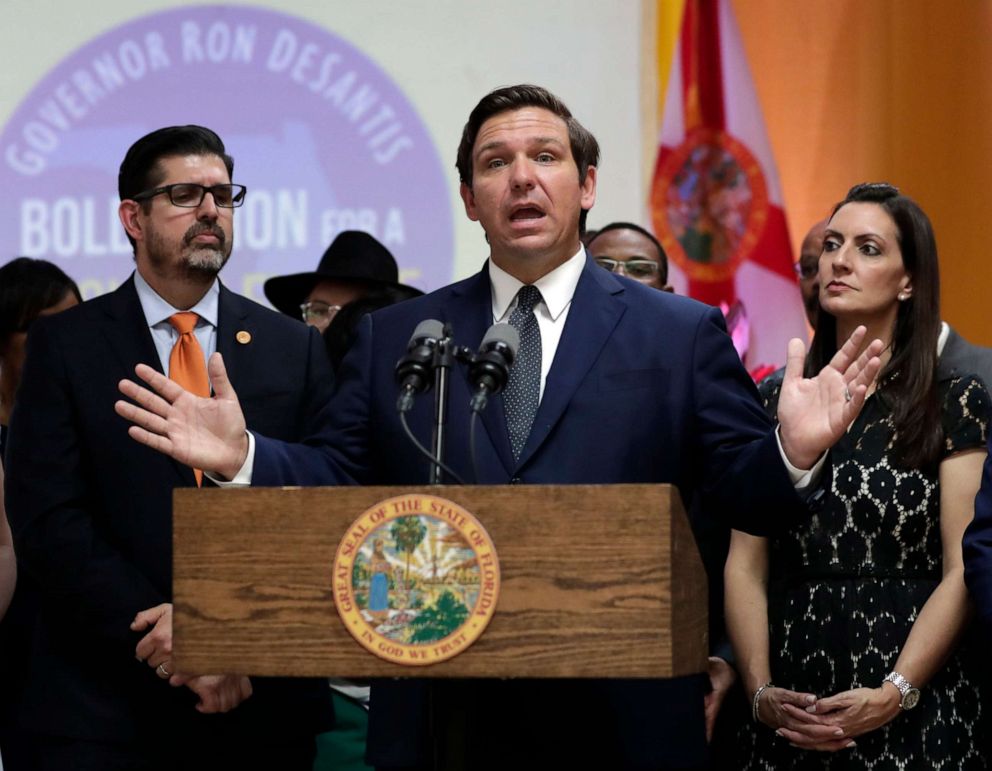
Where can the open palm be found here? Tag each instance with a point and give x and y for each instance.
(815, 412)
(206, 433)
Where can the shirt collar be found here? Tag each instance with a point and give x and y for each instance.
(945, 332)
(157, 310)
(556, 287)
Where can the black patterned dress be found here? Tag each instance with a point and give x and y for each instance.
(847, 583)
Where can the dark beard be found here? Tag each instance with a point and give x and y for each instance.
(199, 264)
(206, 261)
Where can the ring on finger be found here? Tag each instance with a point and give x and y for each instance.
(162, 672)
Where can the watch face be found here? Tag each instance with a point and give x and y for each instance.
(911, 699)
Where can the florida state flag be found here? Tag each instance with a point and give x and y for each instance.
(716, 204)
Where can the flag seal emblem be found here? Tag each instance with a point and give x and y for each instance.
(709, 204)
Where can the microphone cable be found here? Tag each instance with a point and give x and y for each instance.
(472, 423)
(427, 453)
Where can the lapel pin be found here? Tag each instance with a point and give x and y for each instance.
(243, 337)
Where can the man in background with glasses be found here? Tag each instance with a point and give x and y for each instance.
(807, 270)
(354, 265)
(623, 247)
(92, 513)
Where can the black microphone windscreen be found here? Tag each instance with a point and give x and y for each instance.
(428, 329)
(502, 333)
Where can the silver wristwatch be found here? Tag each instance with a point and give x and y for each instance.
(910, 695)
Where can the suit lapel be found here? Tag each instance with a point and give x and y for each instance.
(948, 357)
(127, 330)
(470, 312)
(593, 315)
(131, 342)
(232, 342)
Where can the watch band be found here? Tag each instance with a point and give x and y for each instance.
(909, 695)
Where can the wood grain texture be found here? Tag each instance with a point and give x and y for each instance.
(587, 583)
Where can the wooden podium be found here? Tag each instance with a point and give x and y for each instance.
(599, 581)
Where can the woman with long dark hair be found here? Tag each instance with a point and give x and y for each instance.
(847, 627)
(28, 289)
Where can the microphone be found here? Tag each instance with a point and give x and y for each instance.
(413, 371)
(490, 369)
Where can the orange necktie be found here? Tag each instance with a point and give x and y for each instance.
(186, 363)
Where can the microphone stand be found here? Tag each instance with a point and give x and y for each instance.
(444, 359)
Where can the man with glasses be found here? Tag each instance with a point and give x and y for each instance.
(623, 247)
(92, 512)
(353, 266)
(808, 270)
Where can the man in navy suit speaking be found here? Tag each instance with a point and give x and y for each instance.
(614, 382)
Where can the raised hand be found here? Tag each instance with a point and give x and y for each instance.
(813, 413)
(203, 433)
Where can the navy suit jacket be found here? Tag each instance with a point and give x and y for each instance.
(960, 357)
(645, 387)
(91, 511)
(977, 549)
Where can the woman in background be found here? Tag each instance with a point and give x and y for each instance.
(847, 626)
(28, 289)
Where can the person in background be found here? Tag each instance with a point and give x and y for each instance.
(623, 247)
(92, 518)
(354, 265)
(956, 356)
(342, 332)
(807, 269)
(29, 288)
(847, 625)
(959, 357)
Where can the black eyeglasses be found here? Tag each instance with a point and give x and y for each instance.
(637, 267)
(189, 195)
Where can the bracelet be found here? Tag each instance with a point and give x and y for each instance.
(754, 702)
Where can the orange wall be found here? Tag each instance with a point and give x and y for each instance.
(894, 90)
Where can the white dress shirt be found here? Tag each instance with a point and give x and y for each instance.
(157, 312)
(557, 289)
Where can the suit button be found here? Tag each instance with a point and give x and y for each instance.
(516, 481)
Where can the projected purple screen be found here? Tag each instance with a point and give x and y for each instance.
(322, 137)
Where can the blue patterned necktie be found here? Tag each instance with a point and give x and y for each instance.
(523, 390)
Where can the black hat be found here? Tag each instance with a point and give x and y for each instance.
(352, 256)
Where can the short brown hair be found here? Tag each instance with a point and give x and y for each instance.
(585, 148)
